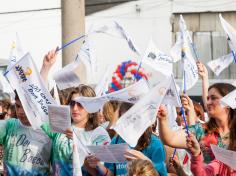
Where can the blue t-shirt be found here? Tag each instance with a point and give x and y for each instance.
(154, 151)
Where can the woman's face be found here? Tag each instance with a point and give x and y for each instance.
(78, 113)
(21, 113)
(214, 109)
(101, 118)
(179, 118)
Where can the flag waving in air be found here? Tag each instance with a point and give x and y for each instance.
(115, 29)
(132, 124)
(185, 50)
(16, 52)
(230, 32)
(34, 96)
(218, 65)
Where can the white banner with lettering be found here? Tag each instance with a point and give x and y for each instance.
(130, 94)
(218, 65)
(35, 98)
(137, 119)
(157, 59)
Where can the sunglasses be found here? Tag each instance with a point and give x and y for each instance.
(2, 115)
(73, 103)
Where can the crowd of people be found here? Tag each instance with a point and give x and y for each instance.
(160, 150)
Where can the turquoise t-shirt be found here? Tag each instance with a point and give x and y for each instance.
(154, 151)
(26, 151)
(62, 147)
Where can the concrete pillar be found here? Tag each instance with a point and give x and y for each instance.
(73, 26)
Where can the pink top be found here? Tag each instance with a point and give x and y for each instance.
(215, 167)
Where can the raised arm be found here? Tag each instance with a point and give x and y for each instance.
(203, 73)
(175, 139)
(48, 61)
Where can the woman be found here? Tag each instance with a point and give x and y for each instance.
(215, 131)
(111, 114)
(215, 167)
(26, 150)
(85, 127)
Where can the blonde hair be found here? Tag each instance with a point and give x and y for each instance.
(141, 168)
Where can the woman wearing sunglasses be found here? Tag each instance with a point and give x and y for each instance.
(86, 129)
(84, 125)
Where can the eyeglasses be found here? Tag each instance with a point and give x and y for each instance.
(73, 103)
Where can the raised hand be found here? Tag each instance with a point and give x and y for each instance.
(49, 59)
(202, 70)
(162, 113)
(189, 108)
(193, 145)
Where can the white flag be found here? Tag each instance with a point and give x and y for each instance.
(92, 104)
(35, 98)
(67, 77)
(172, 95)
(188, 55)
(138, 118)
(176, 50)
(228, 157)
(76, 157)
(5, 86)
(191, 73)
(16, 52)
(229, 100)
(115, 29)
(230, 31)
(157, 59)
(102, 85)
(87, 56)
(55, 93)
(234, 83)
(130, 94)
(218, 65)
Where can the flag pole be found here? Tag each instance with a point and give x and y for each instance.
(70, 42)
(233, 53)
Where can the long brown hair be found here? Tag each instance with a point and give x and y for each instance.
(85, 91)
(232, 135)
(199, 110)
(109, 109)
(223, 89)
(145, 139)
